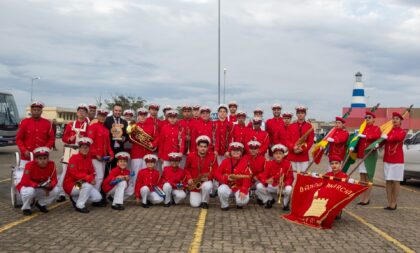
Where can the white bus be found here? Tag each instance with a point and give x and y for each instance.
(9, 119)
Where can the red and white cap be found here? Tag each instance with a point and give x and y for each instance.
(236, 146)
(256, 110)
(370, 114)
(154, 106)
(233, 103)
(102, 111)
(257, 120)
(301, 108)
(340, 119)
(122, 156)
(142, 111)
(205, 109)
(335, 158)
(254, 144)
(128, 112)
(280, 147)
(82, 106)
(222, 106)
(92, 106)
(397, 114)
(276, 106)
(167, 108)
(196, 107)
(85, 141)
(37, 104)
(241, 114)
(186, 107)
(175, 156)
(287, 115)
(41, 151)
(172, 113)
(203, 138)
(150, 158)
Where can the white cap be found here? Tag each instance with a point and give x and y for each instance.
(203, 138)
(85, 141)
(150, 157)
(129, 111)
(222, 106)
(281, 147)
(276, 106)
(122, 155)
(236, 144)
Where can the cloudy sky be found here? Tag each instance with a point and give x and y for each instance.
(289, 52)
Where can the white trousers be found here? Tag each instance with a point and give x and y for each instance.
(85, 193)
(146, 195)
(23, 163)
(203, 196)
(29, 193)
(119, 193)
(270, 192)
(177, 195)
(136, 165)
(99, 172)
(61, 180)
(300, 166)
(225, 193)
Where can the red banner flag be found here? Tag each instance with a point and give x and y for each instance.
(317, 201)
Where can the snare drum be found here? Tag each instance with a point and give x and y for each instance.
(69, 150)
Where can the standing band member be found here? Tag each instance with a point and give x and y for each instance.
(198, 169)
(240, 131)
(91, 112)
(79, 180)
(173, 180)
(233, 107)
(116, 183)
(147, 180)
(171, 138)
(258, 134)
(204, 126)
(186, 123)
(394, 160)
(339, 139)
(274, 127)
(38, 181)
(223, 133)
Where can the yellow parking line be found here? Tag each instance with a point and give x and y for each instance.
(381, 233)
(27, 218)
(5, 180)
(198, 234)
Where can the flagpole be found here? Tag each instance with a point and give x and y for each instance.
(341, 179)
(361, 161)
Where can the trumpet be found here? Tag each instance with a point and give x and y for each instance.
(196, 184)
(139, 136)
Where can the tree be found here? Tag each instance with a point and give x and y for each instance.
(127, 102)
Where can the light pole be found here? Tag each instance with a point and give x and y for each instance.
(32, 85)
(218, 67)
(224, 85)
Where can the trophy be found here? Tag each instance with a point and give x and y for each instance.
(117, 131)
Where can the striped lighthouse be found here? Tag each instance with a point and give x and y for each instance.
(358, 99)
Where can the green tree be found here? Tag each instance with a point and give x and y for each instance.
(127, 102)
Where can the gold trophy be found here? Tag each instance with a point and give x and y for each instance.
(117, 131)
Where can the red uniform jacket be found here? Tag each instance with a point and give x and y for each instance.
(230, 166)
(339, 147)
(69, 131)
(171, 139)
(113, 174)
(273, 126)
(196, 166)
(207, 128)
(255, 163)
(284, 136)
(258, 135)
(394, 146)
(187, 125)
(146, 177)
(80, 168)
(137, 151)
(223, 136)
(372, 133)
(101, 145)
(275, 170)
(33, 175)
(33, 134)
(296, 131)
(173, 176)
(339, 174)
(239, 134)
(154, 122)
(232, 118)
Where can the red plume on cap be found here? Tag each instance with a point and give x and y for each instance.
(396, 114)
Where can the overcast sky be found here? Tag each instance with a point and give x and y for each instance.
(287, 52)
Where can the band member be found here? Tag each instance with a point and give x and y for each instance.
(139, 148)
(274, 126)
(186, 123)
(128, 115)
(116, 183)
(100, 149)
(172, 180)
(38, 181)
(301, 140)
(233, 107)
(335, 165)
(171, 138)
(276, 178)
(369, 135)
(223, 133)
(147, 180)
(394, 160)
(72, 133)
(34, 132)
(257, 134)
(258, 113)
(339, 139)
(153, 116)
(92, 112)
(165, 111)
(79, 180)
(196, 112)
(199, 167)
(234, 180)
(203, 126)
(254, 160)
(117, 127)
(240, 131)
(284, 134)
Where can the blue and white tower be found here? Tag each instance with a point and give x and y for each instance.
(358, 99)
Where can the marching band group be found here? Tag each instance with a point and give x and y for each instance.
(110, 158)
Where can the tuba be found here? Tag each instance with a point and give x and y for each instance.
(139, 136)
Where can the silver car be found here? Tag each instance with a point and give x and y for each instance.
(412, 157)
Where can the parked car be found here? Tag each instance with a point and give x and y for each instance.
(412, 157)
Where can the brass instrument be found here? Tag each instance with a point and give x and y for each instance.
(139, 136)
(235, 177)
(78, 184)
(302, 140)
(196, 184)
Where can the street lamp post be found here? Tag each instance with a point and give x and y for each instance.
(32, 85)
(218, 67)
(224, 85)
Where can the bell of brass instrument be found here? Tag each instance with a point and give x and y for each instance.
(78, 184)
(139, 136)
(196, 184)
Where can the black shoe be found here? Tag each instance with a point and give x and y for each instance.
(72, 201)
(149, 203)
(144, 205)
(363, 203)
(338, 217)
(118, 207)
(62, 198)
(173, 202)
(27, 212)
(82, 210)
(213, 194)
(204, 205)
(167, 204)
(239, 207)
(260, 202)
(286, 208)
(42, 209)
(268, 205)
(110, 199)
(99, 204)
(225, 208)
(390, 208)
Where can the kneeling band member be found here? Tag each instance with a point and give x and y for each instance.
(172, 180)
(147, 180)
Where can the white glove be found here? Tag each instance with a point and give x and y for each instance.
(351, 181)
(314, 174)
(351, 149)
(376, 145)
(361, 136)
(384, 136)
(329, 139)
